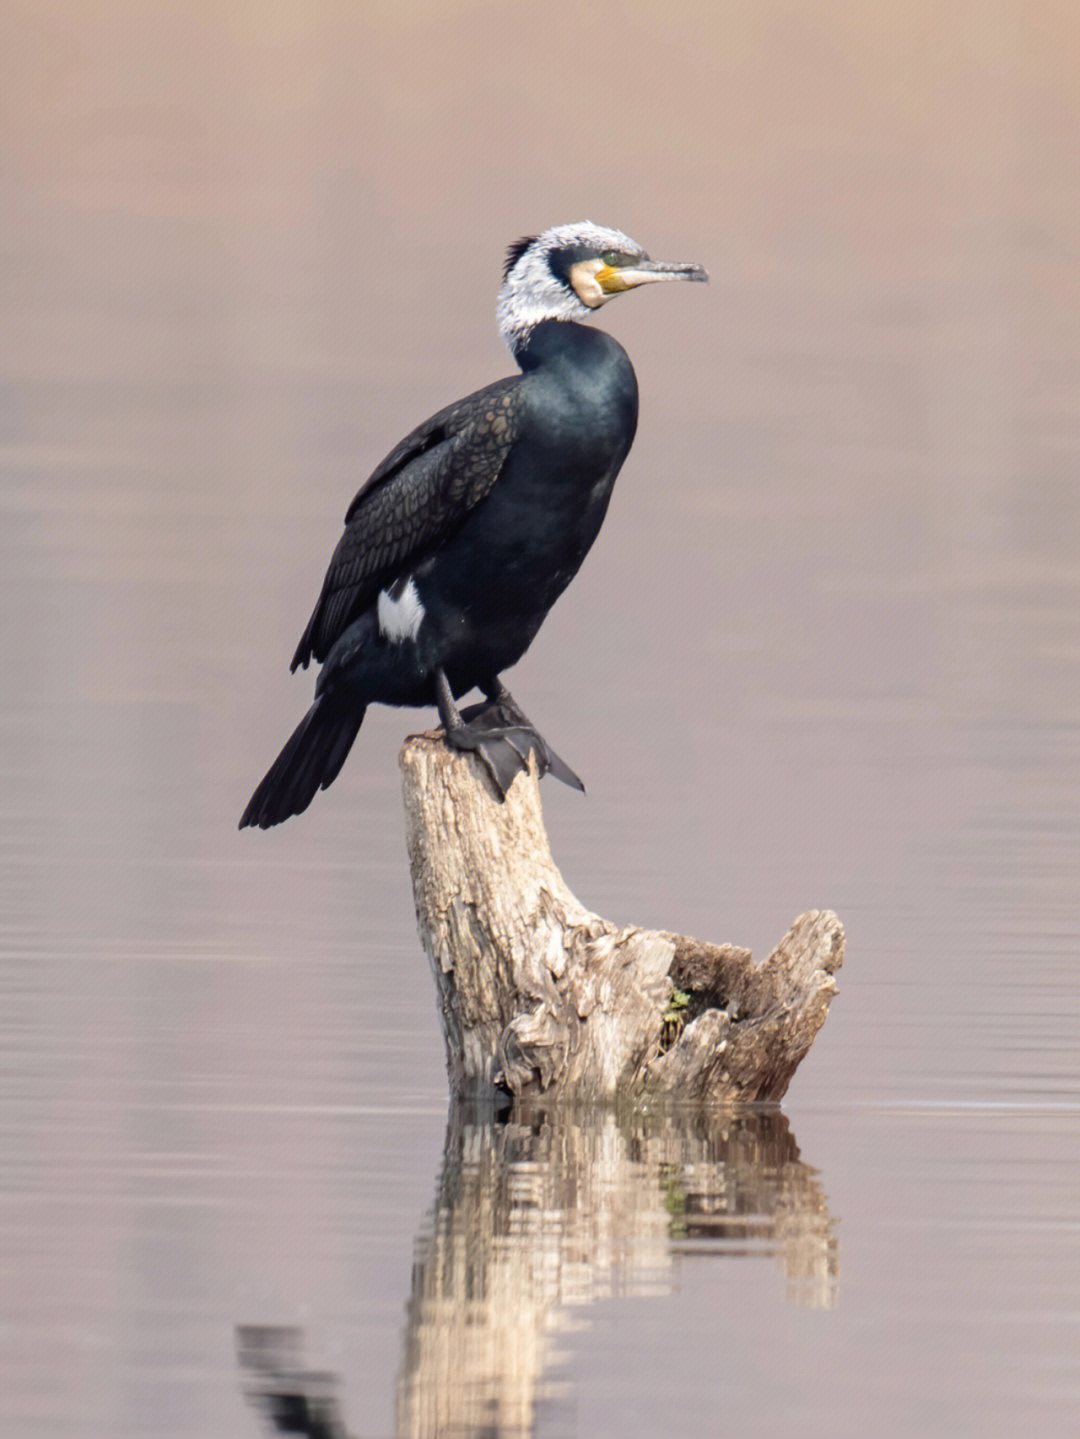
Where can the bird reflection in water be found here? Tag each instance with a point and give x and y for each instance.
(291, 1398)
(541, 1215)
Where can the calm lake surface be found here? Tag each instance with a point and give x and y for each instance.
(826, 653)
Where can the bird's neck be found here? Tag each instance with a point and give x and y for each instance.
(559, 342)
(520, 311)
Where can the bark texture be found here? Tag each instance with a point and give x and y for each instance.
(539, 995)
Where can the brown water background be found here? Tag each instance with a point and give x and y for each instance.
(826, 653)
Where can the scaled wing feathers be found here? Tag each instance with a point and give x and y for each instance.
(411, 506)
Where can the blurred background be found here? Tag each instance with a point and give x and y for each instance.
(826, 653)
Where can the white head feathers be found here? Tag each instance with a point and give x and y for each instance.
(533, 290)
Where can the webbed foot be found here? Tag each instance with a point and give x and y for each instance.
(500, 734)
(503, 740)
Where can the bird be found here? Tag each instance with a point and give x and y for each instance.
(462, 539)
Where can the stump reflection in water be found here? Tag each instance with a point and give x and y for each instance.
(536, 1218)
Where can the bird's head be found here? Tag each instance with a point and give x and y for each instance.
(571, 270)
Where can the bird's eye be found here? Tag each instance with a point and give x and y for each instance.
(611, 258)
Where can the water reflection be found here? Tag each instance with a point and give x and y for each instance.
(539, 1216)
(291, 1398)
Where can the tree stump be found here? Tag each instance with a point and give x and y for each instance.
(538, 995)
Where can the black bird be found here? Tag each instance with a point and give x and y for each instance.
(469, 531)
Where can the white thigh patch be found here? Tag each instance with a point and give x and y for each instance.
(400, 612)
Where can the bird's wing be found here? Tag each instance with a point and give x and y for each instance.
(412, 504)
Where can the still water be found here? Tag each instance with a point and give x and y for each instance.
(825, 654)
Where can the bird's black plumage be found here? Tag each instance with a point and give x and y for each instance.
(462, 539)
(411, 504)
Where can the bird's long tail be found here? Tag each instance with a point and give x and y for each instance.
(312, 757)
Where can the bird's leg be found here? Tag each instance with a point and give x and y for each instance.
(500, 696)
(498, 734)
(449, 714)
(492, 743)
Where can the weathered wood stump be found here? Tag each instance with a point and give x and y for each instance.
(538, 995)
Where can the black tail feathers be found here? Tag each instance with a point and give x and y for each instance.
(310, 761)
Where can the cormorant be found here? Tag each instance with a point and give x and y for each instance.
(467, 533)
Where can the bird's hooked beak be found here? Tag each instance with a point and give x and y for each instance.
(613, 280)
(595, 283)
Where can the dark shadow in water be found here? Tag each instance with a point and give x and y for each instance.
(291, 1398)
(538, 1216)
